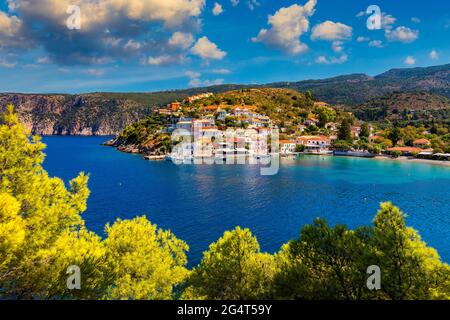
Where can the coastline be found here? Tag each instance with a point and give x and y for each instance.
(134, 149)
(414, 160)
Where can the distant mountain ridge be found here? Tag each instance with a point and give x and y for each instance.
(104, 113)
(358, 88)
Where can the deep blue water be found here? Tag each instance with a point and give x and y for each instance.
(198, 203)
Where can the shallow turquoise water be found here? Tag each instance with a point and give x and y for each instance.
(198, 203)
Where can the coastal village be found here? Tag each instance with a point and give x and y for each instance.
(217, 131)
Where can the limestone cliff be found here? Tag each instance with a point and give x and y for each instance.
(89, 114)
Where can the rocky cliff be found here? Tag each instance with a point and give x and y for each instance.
(89, 114)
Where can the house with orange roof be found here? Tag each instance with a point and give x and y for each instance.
(375, 138)
(287, 146)
(421, 143)
(174, 106)
(211, 108)
(314, 142)
(242, 110)
(405, 151)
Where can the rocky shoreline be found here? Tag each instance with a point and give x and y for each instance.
(134, 149)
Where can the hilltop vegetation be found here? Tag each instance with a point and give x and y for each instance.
(359, 88)
(405, 106)
(281, 105)
(145, 136)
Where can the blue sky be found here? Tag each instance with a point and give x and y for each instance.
(151, 45)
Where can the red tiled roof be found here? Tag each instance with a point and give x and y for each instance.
(405, 149)
(421, 141)
(314, 138)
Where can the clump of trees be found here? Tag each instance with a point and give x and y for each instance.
(42, 234)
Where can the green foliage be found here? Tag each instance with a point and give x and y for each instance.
(331, 263)
(365, 132)
(147, 263)
(345, 133)
(404, 106)
(395, 135)
(148, 135)
(341, 145)
(326, 114)
(42, 233)
(233, 268)
(411, 270)
(325, 263)
(281, 105)
(299, 148)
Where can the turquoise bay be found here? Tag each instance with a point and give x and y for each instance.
(199, 202)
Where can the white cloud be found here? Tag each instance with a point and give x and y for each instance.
(415, 20)
(132, 45)
(95, 72)
(205, 83)
(181, 40)
(160, 60)
(207, 50)
(217, 10)
(331, 31)
(409, 61)
(362, 39)
(234, 3)
(337, 46)
(322, 59)
(110, 29)
(333, 60)
(100, 13)
(402, 34)
(376, 44)
(6, 64)
(220, 71)
(252, 4)
(387, 21)
(434, 55)
(43, 60)
(360, 14)
(11, 32)
(193, 74)
(287, 25)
